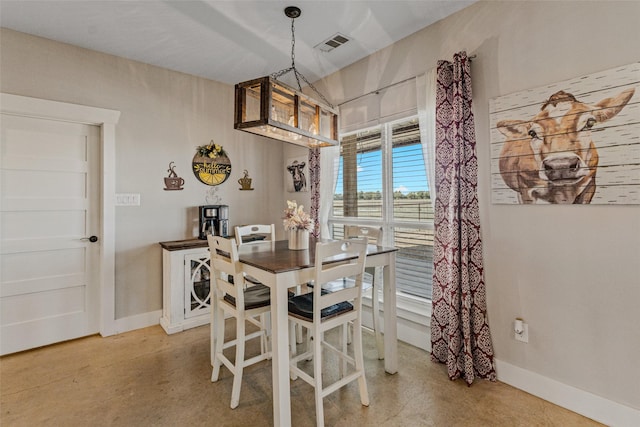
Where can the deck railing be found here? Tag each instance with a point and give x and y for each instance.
(414, 260)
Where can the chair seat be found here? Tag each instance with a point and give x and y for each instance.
(254, 297)
(302, 306)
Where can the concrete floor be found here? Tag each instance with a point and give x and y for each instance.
(148, 378)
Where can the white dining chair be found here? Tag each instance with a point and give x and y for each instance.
(374, 235)
(267, 233)
(254, 233)
(320, 311)
(243, 303)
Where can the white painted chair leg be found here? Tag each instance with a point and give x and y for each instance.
(344, 329)
(359, 362)
(239, 365)
(219, 325)
(317, 376)
(375, 308)
(298, 337)
(292, 347)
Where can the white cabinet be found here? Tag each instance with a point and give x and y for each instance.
(185, 285)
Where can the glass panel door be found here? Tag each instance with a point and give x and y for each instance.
(197, 285)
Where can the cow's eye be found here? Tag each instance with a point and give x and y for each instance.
(590, 123)
(533, 134)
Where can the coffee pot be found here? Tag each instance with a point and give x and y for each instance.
(214, 220)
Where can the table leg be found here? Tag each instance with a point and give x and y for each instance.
(212, 324)
(390, 316)
(280, 356)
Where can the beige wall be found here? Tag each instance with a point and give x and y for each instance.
(165, 115)
(572, 272)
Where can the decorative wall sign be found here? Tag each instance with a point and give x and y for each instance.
(211, 165)
(173, 181)
(577, 141)
(296, 175)
(245, 181)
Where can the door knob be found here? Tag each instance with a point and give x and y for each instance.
(92, 239)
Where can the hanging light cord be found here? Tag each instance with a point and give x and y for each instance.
(293, 68)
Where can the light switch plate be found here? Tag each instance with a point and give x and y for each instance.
(128, 199)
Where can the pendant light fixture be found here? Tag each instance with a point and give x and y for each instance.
(266, 106)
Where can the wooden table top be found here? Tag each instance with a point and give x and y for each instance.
(278, 258)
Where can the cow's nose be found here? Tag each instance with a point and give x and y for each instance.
(559, 168)
(569, 164)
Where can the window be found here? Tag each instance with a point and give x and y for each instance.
(382, 181)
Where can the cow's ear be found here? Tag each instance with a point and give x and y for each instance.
(513, 129)
(609, 107)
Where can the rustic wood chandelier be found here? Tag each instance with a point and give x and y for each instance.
(265, 106)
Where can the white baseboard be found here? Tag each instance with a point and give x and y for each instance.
(139, 321)
(574, 399)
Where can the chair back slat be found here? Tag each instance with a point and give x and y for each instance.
(333, 270)
(225, 263)
(268, 230)
(374, 234)
(336, 297)
(225, 286)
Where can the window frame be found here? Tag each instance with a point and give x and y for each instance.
(414, 308)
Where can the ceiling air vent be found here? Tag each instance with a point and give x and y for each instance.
(332, 42)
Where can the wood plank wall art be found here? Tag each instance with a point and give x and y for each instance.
(573, 142)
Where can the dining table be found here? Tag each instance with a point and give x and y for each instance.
(280, 268)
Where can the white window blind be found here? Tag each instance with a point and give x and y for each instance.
(383, 105)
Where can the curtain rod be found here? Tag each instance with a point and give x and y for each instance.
(470, 58)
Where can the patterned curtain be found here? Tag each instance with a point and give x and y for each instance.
(460, 335)
(314, 177)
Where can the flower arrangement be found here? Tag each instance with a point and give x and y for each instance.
(211, 150)
(295, 218)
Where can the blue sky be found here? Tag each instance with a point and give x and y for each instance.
(408, 172)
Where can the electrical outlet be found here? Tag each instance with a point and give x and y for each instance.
(524, 336)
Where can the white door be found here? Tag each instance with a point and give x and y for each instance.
(49, 207)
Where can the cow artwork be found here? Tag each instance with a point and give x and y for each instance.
(553, 158)
(299, 180)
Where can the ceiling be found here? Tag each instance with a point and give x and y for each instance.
(227, 41)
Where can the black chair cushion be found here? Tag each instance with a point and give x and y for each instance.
(254, 297)
(302, 306)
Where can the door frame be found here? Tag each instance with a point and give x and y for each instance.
(106, 120)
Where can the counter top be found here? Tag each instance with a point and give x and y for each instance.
(177, 245)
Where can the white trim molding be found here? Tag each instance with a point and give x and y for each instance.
(139, 321)
(106, 120)
(576, 400)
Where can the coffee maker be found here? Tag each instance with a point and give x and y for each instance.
(214, 220)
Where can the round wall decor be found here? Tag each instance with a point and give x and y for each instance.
(211, 165)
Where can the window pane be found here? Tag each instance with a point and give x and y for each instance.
(359, 185)
(410, 190)
(414, 261)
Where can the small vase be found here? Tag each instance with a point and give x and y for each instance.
(298, 239)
